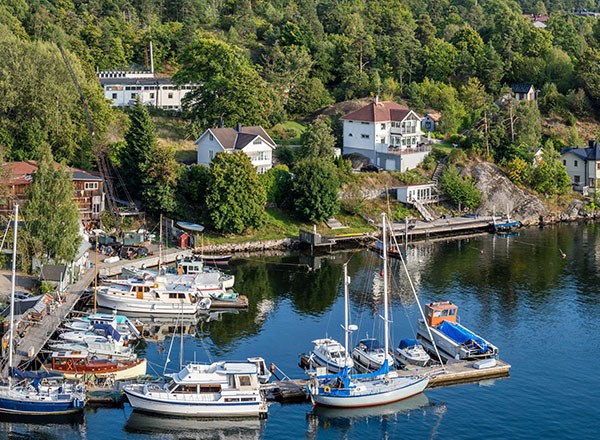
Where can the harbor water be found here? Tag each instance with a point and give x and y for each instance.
(540, 307)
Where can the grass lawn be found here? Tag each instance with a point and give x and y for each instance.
(287, 132)
(279, 225)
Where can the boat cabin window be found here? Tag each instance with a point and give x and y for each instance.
(244, 381)
(210, 388)
(186, 389)
(175, 295)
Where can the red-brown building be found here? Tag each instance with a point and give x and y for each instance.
(89, 191)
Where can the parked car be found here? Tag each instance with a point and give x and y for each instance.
(370, 168)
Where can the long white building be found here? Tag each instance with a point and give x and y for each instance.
(124, 88)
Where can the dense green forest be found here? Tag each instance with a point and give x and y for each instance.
(269, 61)
(290, 58)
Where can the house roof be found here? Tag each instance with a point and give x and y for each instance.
(53, 272)
(22, 172)
(238, 138)
(521, 87)
(379, 112)
(434, 116)
(586, 154)
(534, 18)
(135, 81)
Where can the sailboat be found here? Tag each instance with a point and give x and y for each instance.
(380, 387)
(33, 398)
(328, 352)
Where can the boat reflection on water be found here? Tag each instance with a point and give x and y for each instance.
(178, 427)
(55, 427)
(341, 417)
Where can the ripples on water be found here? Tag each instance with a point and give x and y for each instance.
(541, 310)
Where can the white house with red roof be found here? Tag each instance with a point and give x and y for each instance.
(388, 133)
(254, 141)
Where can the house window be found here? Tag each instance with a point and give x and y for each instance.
(366, 123)
(151, 95)
(257, 141)
(95, 208)
(211, 154)
(364, 136)
(211, 137)
(114, 96)
(350, 135)
(134, 95)
(170, 96)
(565, 162)
(263, 155)
(383, 126)
(591, 182)
(91, 185)
(574, 163)
(598, 166)
(577, 179)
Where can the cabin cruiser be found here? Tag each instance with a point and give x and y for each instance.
(331, 354)
(121, 323)
(103, 342)
(411, 352)
(146, 296)
(453, 340)
(221, 389)
(369, 355)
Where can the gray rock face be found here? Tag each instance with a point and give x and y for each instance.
(500, 194)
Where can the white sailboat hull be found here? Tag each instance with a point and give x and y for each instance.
(144, 306)
(211, 405)
(397, 389)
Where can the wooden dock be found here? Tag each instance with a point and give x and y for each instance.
(457, 372)
(442, 227)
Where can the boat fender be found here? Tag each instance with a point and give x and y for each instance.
(327, 389)
(156, 285)
(272, 367)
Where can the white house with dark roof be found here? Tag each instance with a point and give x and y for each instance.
(387, 133)
(253, 141)
(524, 92)
(583, 166)
(124, 88)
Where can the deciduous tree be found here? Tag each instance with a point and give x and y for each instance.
(316, 189)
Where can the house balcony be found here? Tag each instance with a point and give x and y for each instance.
(400, 150)
(403, 131)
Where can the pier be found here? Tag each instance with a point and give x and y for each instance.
(441, 227)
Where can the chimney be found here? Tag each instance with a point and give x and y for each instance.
(376, 100)
(238, 127)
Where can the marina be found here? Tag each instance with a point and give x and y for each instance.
(269, 319)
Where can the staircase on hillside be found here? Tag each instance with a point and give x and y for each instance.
(422, 210)
(439, 169)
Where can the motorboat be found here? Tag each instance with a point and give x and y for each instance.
(146, 296)
(330, 354)
(104, 341)
(82, 365)
(380, 387)
(29, 397)
(220, 389)
(121, 323)
(453, 340)
(369, 355)
(411, 352)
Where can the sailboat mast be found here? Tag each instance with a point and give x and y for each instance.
(346, 313)
(386, 336)
(12, 295)
(96, 273)
(159, 243)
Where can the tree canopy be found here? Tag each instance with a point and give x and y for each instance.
(316, 187)
(236, 198)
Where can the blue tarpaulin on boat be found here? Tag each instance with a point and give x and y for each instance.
(22, 374)
(461, 335)
(109, 330)
(405, 343)
(384, 369)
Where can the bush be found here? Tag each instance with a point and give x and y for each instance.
(457, 139)
(458, 156)
(429, 162)
(461, 191)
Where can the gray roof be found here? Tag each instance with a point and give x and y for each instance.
(53, 272)
(521, 87)
(135, 81)
(84, 175)
(586, 154)
(231, 138)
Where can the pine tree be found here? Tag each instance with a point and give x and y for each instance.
(160, 172)
(51, 216)
(140, 139)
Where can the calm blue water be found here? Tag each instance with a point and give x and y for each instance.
(540, 309)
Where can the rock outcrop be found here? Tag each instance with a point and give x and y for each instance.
(499, 194)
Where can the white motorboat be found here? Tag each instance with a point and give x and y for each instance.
(120, 323)
(221, 389)
(380, 387)
(453, 340)
(330, 354)
(369, 355)
(145, 296)
(411, 352)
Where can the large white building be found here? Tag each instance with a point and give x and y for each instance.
(253, 141)
(387, 133)
(124, 88)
